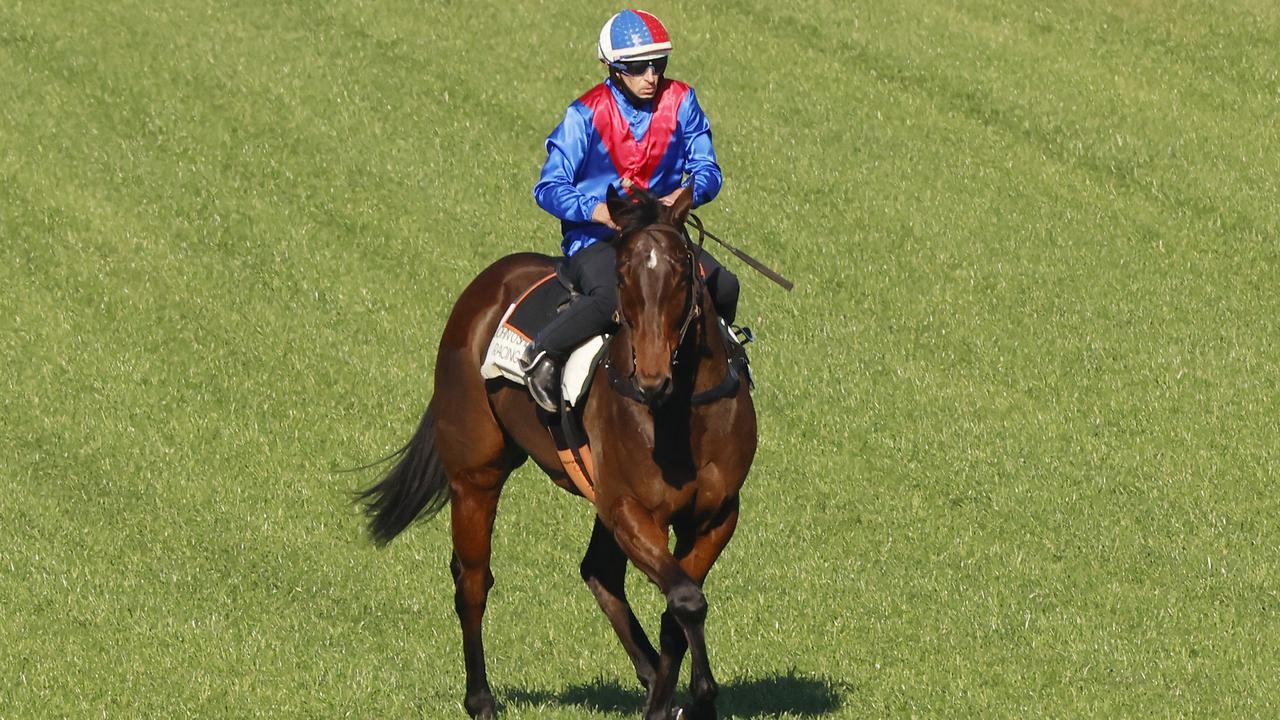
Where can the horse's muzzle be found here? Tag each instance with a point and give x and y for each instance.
(655, 391)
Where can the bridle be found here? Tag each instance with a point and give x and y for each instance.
(626, 386)
(694, 309)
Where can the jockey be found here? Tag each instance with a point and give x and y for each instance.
(639, 126)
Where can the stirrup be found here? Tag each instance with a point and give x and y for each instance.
(741, 335)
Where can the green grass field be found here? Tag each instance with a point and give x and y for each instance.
(1018, 420)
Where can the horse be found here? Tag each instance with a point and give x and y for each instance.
(665, 458)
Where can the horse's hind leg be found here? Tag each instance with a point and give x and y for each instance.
(477, 461)
(604, 569)
(474, 507)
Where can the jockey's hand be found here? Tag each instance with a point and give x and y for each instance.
(670, 198)
(601, 215)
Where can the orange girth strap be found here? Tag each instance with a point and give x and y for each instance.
(582, 475)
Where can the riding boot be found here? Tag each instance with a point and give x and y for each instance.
(542, 377)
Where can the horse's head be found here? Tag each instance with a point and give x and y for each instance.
(658, 286)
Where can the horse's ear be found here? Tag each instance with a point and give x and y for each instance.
(616, 203)
(681, 206)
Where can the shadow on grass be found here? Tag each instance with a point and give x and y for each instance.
(763, 697)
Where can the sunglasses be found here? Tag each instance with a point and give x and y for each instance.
(640, 67)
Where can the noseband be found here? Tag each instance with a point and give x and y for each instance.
(626, 386)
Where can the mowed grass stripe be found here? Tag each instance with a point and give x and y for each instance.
(1096, 378)
(1016, 442)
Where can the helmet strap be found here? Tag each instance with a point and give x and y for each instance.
(618, 82)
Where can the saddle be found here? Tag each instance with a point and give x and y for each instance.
(522, 321)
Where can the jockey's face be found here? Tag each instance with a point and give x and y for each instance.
(643, 86)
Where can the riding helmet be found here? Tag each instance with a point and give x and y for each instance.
(633, 35)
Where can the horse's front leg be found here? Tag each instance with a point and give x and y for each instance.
(697, 551)
(474, 507)
(604, 570)
(645, 543)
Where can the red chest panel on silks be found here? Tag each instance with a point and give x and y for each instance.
(636, 161)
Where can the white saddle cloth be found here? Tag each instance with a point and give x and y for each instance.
(508, 347)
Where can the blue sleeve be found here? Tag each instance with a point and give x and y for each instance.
(700, 157)
(566, 150)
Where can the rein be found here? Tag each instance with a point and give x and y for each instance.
(754, 263)
(696, 285)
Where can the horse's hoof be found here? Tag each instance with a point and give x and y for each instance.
(694, 712)
(481, 707)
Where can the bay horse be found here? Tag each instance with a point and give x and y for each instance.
(664, 460)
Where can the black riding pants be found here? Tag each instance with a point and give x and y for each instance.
(593, 272)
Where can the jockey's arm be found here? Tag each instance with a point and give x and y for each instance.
(700, 156)
(555, 191)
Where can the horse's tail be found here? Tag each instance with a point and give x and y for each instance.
(415, 486)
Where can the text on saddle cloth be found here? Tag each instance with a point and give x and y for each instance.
(531, 312)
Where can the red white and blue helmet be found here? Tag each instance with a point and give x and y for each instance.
(633, 35)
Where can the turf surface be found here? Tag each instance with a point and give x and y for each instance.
(1018, 419)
